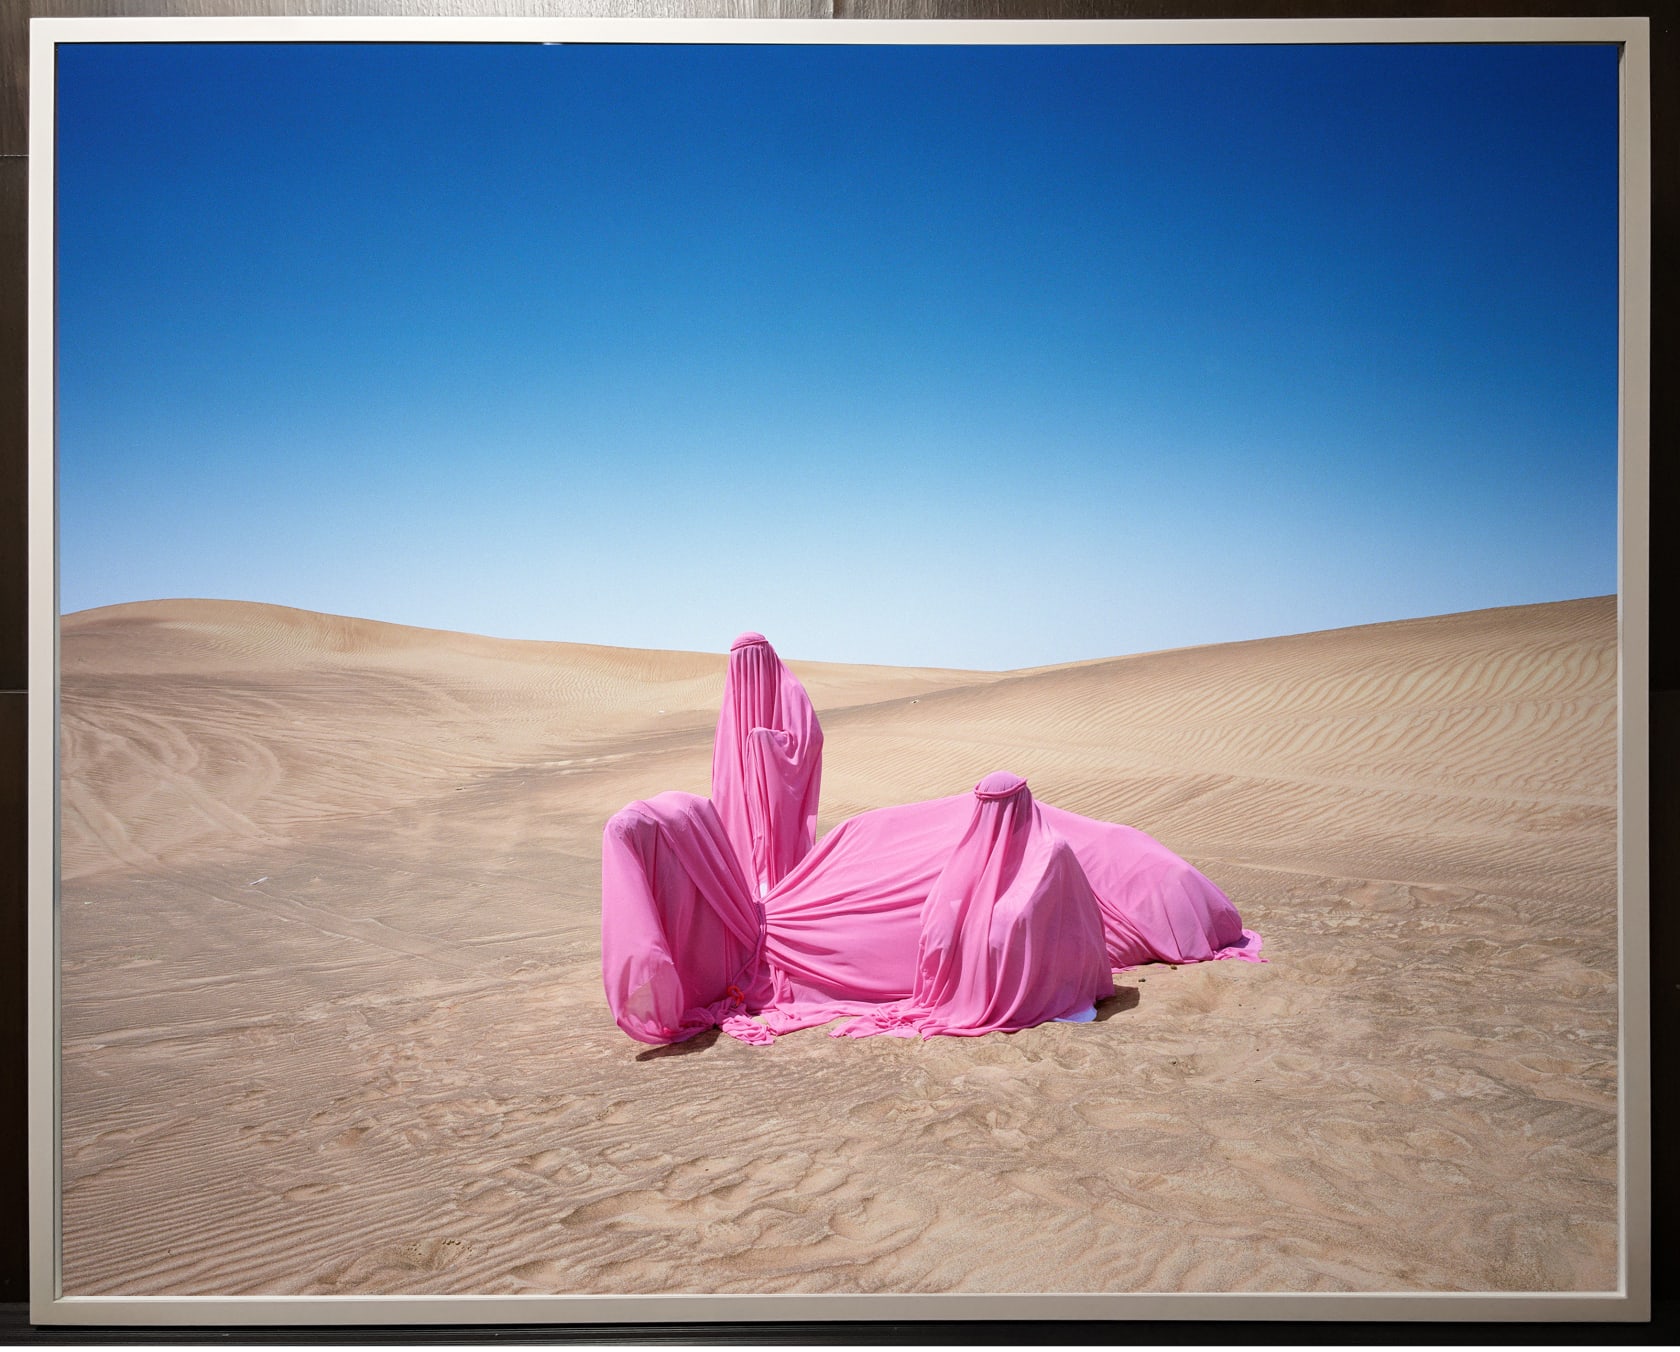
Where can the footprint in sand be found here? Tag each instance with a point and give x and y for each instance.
(399, 1262)
(639, 1207)
(879, 1220)
(1205, 995)
(426, 1255)
(545, 1274)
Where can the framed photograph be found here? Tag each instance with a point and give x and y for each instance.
(1238, 431)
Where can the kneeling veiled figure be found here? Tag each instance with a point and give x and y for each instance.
(1011, 933)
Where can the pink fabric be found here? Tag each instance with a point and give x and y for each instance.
(1155, 906)
(859, 925)
(679, 925)
(766, 763)
(1010, 934)
(841, 930)
(959, 915)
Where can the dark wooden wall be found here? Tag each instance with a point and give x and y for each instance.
(14, 694)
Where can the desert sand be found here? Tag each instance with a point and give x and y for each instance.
(332, 1017)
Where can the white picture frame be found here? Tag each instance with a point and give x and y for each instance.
(1629, 1301)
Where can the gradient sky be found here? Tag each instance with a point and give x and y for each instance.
(969, 356)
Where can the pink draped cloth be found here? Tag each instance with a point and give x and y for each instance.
(841, 930)
(686, 945)
(1156, 907)
(1010, 935)
(681, 934)
(766, 763)
(962, 915)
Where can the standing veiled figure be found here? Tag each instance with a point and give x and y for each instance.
(766, 763)
(1011, 933)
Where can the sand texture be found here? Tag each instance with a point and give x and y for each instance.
(333, 1023)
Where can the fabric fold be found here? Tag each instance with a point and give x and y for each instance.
(1156, 906)
(681, 932)
(766, 763)
(979, 912)
(1010, 935)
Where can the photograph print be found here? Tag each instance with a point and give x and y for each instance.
(827, 668)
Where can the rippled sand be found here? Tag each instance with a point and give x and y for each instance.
(333, 1021)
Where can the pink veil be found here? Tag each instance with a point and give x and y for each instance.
(1011, 934)
(766, 763)
(681, 933)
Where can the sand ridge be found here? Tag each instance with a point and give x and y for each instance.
(333, 1023)
(371, 713)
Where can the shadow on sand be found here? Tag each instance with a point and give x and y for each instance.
(1124, 998)
(698, 1043)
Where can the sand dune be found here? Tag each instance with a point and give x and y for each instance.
(332, 1011)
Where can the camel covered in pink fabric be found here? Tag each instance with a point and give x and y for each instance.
(766, 762)
(980, 912)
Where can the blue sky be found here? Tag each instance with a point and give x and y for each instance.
(982, 357)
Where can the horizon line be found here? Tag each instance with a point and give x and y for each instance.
(62, 616)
